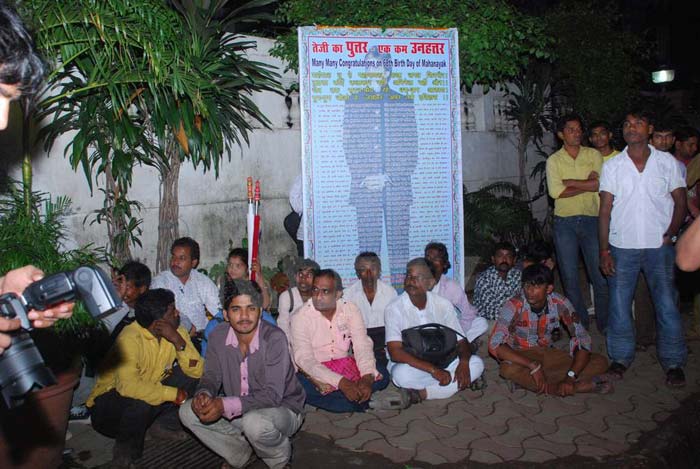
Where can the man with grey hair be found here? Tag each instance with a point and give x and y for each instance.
(371, 295)
(417, 306)
(263, 402)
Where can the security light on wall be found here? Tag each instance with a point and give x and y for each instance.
(663, 76)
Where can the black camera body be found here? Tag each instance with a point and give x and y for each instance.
(21, 366)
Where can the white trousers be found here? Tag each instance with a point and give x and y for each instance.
(405, 376)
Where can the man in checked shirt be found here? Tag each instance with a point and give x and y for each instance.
(521, 341)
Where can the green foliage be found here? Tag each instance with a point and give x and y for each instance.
(36, 238)
(598, 62)
(495, 40)
(495, 213)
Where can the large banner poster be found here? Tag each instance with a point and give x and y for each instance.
(381, 146)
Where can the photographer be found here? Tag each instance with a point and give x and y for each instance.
(15, 281)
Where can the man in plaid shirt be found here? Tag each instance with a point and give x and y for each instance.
(521, 341)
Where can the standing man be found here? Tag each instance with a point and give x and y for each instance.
(195, 293)
(371, 295)
(573, 173)
(417, 306)
(498, 283)
(262, 403)
(686, 146)
(662, 138)
(643, 204)
(600, 135)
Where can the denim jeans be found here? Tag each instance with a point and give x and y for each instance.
(657, 266)
(571, 235)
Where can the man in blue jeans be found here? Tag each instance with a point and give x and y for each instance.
(642, 206)
(573, 173)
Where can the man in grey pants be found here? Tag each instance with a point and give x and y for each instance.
(263, 401)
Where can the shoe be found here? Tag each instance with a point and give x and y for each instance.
(390, 399)
(675, 378)
(616, 371)
(414, 396)
(79, 414)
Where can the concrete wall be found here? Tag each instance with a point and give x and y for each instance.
(213, 210)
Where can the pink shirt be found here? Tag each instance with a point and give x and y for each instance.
(232, 404)
(451, 290)
(315, 340)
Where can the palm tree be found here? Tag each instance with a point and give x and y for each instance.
(142, 83)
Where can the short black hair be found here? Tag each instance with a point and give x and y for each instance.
(152, 305)
(20, 64)
(503, 246)
(561, 123)
(330, 273)
(234, 288)
(442, 252)
(136, 272)
(685, 133)
(596, 124)
(538, 251)
(537, 274)
(369, 256)
(421, 262)
(643, 114)
(187, 242)
(240, 253)
(663, 126)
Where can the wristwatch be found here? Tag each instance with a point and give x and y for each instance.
(571, 374)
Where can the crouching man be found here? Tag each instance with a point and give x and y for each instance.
(262, 402)
(417, 306)
(521, 340)
(150, 370)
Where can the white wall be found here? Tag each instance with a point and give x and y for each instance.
(212, 210)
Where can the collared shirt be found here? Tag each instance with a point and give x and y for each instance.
(561, 166)
(402, 314)
(263, 378)
(612, 153)
(138, 362)
(192, 298)
(315, 340)
(491, 291)
(642, 204)
(520, 328)
(451, 290)
(290, 298)
(373, 314)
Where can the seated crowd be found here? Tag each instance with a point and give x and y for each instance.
(239, 379)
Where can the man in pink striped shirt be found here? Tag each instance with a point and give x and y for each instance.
(322, 333)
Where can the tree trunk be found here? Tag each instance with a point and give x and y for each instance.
(522, 167)
(116, 222)
(168, 212)
(27, 160)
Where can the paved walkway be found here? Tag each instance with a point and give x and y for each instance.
(491, 426)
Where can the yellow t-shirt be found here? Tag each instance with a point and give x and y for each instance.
(138, 362)
(561, 166)
(607, 157)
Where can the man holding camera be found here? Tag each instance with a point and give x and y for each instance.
(151, 369)
(417, 306)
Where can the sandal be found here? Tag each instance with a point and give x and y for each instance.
(390, 399)
(602, 385)
(616, 371)
(675, 378)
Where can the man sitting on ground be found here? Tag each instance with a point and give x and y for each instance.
(295, 297)
(438, 260)
(323, 331)
(522, 342)
(498, 283)
(415, 307)
(150, 370)
(263, 402)
(371, 295)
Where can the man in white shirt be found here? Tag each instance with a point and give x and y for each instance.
(195, 293)
(371, 295)
(417, 306)
(642, 206)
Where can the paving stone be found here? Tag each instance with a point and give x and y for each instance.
(315, 420)
(354, 420)
(559, 450)
(626, 420)
(593, 440)
(456, 412)
(564, 435)
(507, 453)
(661, 415)
(553, 408)
(588, 423)
(479, 410)
(633, 437)
(356, 441)
(397, 455)
(502, 412)
(404, 418)
(463, 439)
(333, 432)
(471, 424)
(592, 451)
(533, 428)
(438, 430)
(381, 427)
(610, 403)
(485, 457)
(536, 455)
(514, 437)
(410, 440)
(435, 452)
(617, 433)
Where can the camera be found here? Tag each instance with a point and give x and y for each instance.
(22, 368)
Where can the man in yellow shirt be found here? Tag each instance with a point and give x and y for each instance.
(151, 369)
(600, 134)
(573, 173)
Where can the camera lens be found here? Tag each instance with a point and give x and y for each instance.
(22, 370)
